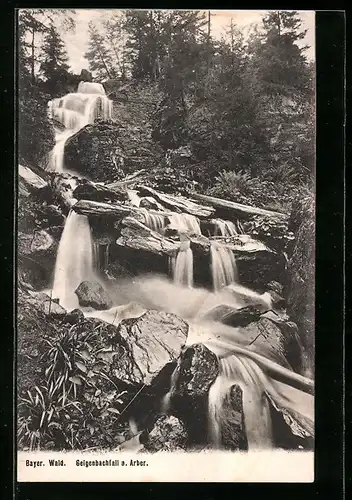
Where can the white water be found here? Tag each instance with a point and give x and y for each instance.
(182, 265)
(223, 266)
(74, 261)
(225, 228)
(241, 371)
(154, 221)
(185, 223)
(74, 111)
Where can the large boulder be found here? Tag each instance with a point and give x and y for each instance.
(44, 303)
(147, 345)
(106, 151)
(232, 430)
(167, 434)
(92, 294)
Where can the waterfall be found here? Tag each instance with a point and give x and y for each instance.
(74, 261)
(241, 371)
(223, 266)
(185, 223)
(182, 265)
(227, 228)
(155, 222)
(166, 401)
(74, 111)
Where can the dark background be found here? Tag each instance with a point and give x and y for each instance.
(330, 59)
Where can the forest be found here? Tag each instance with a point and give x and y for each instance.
(199, 128)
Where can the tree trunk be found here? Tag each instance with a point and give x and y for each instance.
(33, 55)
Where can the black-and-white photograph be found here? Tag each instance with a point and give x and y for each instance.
(165, 236)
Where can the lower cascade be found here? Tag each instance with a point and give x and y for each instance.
(182, 265)
(223, 266)
(74, 261)
(244, 373)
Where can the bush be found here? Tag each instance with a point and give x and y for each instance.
(36, 134)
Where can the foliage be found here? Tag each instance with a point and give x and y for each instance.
(36, 138)
(98, 54)
(272, 230)
(77, 400)
(301, 269)
(54, 64)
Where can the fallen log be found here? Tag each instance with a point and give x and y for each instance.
(276, 371)
(99, 192)
(236, 209)
(178, 204)
(117, 211)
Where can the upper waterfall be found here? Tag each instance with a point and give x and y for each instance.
(74, 111)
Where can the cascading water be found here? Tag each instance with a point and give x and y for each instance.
(154, 221)
(74, 111)
(227, 228)
(223, 266)
(182, 265)
(185, 223)
(241, 371)
(74, 261)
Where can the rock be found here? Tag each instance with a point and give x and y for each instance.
(54, 215)
(42, 242)
(278, 302)
(49, 307)
(293, 427)
(53, 309)
(148, 344)
(86, 76)
(33, 182)
(276, 339)
(233, 432)
(151, 203)
(92, 294)
(113, 147)
(96, 192)
(301, 270)
(233, 317)
(276, 287)
(197, 369)
(74, 316)
(168, 434)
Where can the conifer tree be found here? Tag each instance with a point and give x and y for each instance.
(98, 55)
(54, 66)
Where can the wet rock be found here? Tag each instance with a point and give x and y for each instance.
(198, 368)
(74, 316)
(275, 338)
(278, 302)
(233, 317)
(291, 429)
(147, 345)
(168, 434)
(233, 433)
(92, 294)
